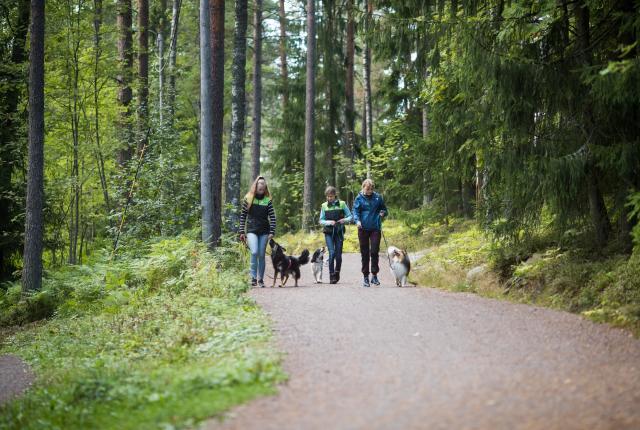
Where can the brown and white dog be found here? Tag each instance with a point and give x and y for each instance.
(400, 265)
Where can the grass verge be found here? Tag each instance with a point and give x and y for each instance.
(161, 340)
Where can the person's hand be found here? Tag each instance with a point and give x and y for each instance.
(359, 224)
(331, 222)
(270, 237)
(381, 214)
(242, 237)
(341, 221)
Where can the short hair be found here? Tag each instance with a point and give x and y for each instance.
(368, 182)
(330, 191)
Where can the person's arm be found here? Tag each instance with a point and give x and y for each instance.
(356, 211)
(243, 219)
(347, 214)
(272, 218)
(383, 208)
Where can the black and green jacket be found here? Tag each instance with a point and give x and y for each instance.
(334, 212)
(260, 218)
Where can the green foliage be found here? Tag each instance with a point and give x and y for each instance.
(515, 106)
(13, 137)
(537, 269)
(163, 339)
(605, 290)
(634, 204)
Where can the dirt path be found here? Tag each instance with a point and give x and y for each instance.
(417, 358)
(15, 377)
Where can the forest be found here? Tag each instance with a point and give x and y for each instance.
(503, 132)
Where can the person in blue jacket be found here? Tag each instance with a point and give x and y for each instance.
(368, 211)
(334, 213)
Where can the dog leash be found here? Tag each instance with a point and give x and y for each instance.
(385, 244)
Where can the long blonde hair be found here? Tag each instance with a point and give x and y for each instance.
(252, 191)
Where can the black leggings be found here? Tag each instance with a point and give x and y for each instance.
(369, 248)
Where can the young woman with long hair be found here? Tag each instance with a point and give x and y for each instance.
(257, 226)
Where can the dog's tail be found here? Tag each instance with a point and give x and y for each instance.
(304, 257)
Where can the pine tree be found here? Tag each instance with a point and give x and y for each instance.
(309, 129)
(217, 118)
(238, 113)
(34, 221)
(206, 132)
(256, 130)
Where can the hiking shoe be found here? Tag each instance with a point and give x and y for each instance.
(254, 282)
(332, 278)
(374, 280)
(261, 283)
(365, 282)
(337, 277)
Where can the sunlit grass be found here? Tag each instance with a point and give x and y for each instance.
(604, 289)
(159, 341)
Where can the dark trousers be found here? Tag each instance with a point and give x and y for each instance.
(369, 248)
(334, 245)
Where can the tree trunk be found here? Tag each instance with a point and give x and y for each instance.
(257, 90)
(83, 240)
(367, 83)
(364, 122)
(206, 131)
(309, 151)
(143, 72)
(97, 22)
(624, 226)
(238, 111)
(467, 188)
(160, 41)
(216, 8)
(350, 111)
(125, 64)
(284, 74)
(173, 50)
(330, 78)
(426, 176)
(75, 126)
(34, 228)
(597, 208)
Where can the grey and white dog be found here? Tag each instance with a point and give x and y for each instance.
(317, 261)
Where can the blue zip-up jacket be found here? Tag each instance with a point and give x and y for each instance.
(366, 209)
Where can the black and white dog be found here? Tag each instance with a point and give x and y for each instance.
(317, 260)
(286, 265)
(400, 265)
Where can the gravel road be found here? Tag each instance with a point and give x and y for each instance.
(15, 377)
(419, 358)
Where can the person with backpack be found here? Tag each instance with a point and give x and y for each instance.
(334, 213)
(368, 210)
(257, 226)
